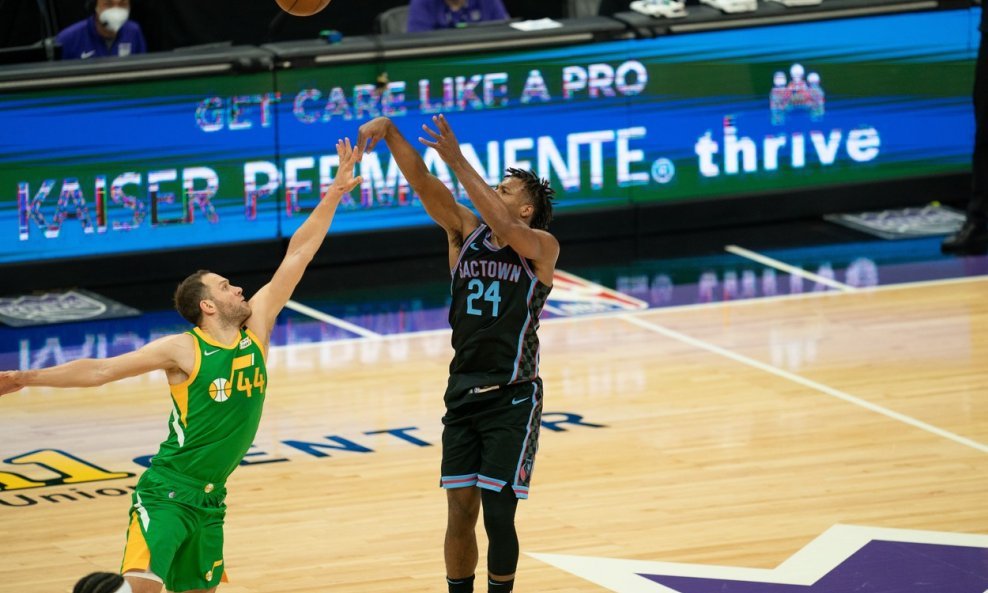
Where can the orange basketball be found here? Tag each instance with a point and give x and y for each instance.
(303, 7)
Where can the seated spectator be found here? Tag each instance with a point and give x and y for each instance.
(429, 15)
(106, 33)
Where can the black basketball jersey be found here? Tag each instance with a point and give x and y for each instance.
(495, 311)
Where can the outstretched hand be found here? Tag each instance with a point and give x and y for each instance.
(444, 141)
(372, 132)
(8, 382)
(344, 180)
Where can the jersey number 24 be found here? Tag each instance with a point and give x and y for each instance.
(492, 295)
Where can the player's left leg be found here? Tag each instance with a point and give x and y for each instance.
(510, 436)
(502, 538)
(199, 566)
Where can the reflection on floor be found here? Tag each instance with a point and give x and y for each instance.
(735, 273)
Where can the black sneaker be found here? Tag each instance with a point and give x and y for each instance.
(971, 238)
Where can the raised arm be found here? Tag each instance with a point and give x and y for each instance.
(173, 354)
(534, 244)
(305, 242)
(439, 203)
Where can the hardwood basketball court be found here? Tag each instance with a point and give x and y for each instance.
(728, 434)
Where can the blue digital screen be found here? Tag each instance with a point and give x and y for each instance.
(143, 166)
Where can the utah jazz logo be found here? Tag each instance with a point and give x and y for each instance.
(240, 379)
(217, 390)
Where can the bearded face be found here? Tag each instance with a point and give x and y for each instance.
(231, 308)
(233, 313)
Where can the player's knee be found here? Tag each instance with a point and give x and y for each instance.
(499, 507)
(144, 582)
(499, 523)
(463, 507)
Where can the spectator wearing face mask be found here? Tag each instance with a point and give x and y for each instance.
(108, 32)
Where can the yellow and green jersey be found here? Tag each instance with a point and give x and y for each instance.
(217, 410)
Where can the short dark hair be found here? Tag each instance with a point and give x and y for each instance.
(99, 582)
(541, 194)
(189, 294)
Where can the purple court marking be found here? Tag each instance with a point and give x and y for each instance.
(878, 567)
(843, 559)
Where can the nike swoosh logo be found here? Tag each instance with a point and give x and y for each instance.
(477, 390)
(474, 247)
(517, 401)
(87, 54)
(210, 353)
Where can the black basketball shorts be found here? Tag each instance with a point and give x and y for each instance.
(492, 443)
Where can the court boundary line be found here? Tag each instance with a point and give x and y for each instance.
(799, 379)
(787, 268)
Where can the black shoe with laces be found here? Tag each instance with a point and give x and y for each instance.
(971, 238)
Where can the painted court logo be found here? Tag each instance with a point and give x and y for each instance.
(844, 558)
(44, 469)
(572, 295)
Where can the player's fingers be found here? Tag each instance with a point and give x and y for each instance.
(427, 142)
(429, 131)
(443, 124)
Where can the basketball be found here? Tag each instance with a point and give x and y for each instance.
(217, 390)
(303, 7)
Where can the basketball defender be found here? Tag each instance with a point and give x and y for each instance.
(501, 266)
(218, 382)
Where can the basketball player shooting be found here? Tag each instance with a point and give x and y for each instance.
(218, 380)
(502, 266)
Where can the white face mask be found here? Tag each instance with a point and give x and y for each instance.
(114, 18)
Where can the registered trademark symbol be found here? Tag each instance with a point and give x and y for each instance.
(663, 170)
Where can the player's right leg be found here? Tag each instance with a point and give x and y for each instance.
(460, 546)
(136, 566)
(158, 528)
(460, 462)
